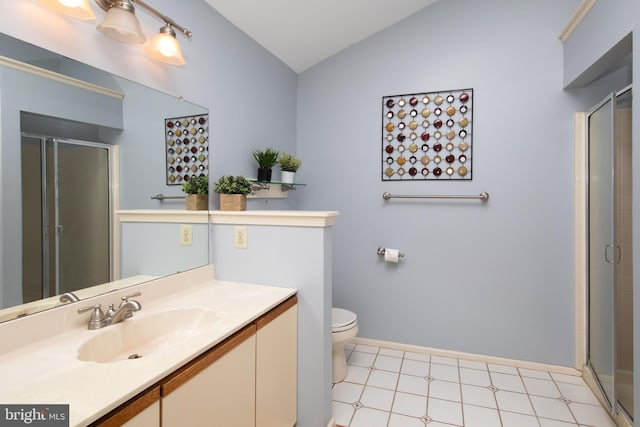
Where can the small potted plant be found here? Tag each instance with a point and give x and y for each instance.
(266, 160)
(233, 192)
(197, 193)
(289, 165)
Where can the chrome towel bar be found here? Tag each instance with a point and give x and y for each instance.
(162, 197)
(484, 196)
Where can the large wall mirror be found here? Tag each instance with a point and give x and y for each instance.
(75, 153)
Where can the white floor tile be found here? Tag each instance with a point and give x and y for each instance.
(359, 358)
(392, 388)
(578, 393)
(423, 357)
(377, 398)
(540, 387)
(503, 369)
(508, 382)
(477, 416)
(479, 396)
(410, 404)
(545, 422)
(472, 364)
(391, 352)
(444, 372)
(342, 413)
(532, 373)
(415, 367)
(514, 402)
(347, 392)
(475, 377)
(366, 417)
(388, 363)
(551, 408)
(445, 390)
(510, 419)
(367, 348)
(444, 360)
(383, 379)
(350, 346)
(591, 415)
(413, 385)
(397, 420)
(445, 411)
(570, 379)
(357, 374)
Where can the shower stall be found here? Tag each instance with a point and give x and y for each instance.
(65, 215)
(609, 247)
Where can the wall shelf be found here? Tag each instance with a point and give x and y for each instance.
(271, 189)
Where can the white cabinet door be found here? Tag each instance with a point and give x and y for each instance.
(218, 390)
(277, 366)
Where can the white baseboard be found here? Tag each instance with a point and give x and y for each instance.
(332, 423)
(470, 356)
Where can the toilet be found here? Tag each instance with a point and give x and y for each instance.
(344, 327)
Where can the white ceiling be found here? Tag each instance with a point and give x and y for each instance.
(304, 32)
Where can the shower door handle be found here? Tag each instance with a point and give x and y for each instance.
(616, 254)
(59, 230)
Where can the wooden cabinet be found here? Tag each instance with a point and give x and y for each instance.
(277, 366)
(250, 379)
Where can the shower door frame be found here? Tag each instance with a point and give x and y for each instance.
(616, 409)
(46, 203)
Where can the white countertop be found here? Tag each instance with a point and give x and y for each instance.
(46, 370)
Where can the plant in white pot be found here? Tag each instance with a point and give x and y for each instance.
(289, 166)
(233, 192)
(197, 193)
(266, 160)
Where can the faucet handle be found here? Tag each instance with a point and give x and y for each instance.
(97, 319)
(126, 297)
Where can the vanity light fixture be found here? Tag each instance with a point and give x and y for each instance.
(79, 9)
(164, 47)
(121, 24)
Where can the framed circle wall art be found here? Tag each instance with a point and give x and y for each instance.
(428, 136)
(186, 147)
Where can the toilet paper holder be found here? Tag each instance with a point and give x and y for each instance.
(382, 250)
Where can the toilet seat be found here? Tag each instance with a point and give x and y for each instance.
(342, 320)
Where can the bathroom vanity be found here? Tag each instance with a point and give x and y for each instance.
(199, 352)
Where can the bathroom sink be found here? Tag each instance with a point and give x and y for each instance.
(141, 336)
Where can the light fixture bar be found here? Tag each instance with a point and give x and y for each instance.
(107, 4)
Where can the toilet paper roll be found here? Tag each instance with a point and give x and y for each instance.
(391, 255)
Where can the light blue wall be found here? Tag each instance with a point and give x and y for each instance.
(251, 95)
(494, 278)
(603, 27)
(296, 257)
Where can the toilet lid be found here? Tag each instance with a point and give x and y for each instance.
(342, 319)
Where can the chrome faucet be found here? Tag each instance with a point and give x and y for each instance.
(69, 297)
(125, 310)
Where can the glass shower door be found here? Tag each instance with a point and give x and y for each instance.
(603, 253)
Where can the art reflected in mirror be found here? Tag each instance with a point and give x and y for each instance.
(83, 154)
(187, 145)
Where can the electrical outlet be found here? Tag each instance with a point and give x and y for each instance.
(240, 238)
(186, 234)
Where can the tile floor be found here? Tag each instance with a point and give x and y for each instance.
(393, 388)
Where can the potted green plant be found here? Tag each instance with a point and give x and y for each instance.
(289, 165)
(266, 160)
(233, 192)
(197, 193)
